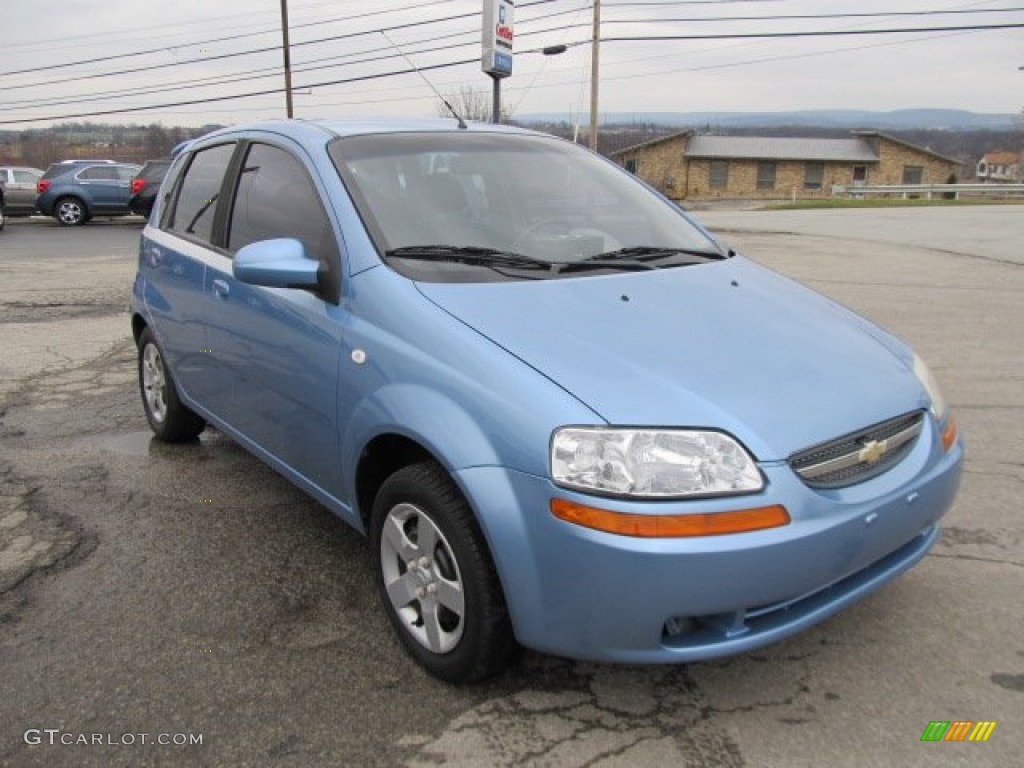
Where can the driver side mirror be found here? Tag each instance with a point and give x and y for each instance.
(277, 263)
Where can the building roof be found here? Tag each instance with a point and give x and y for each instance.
(652, 142)
(764, 148)
(908, 145)
(1001, 158)
(858, 149)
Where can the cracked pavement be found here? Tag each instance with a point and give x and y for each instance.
(147, 588)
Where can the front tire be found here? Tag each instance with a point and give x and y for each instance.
(70, 212)
(436, 577)
(170, 420)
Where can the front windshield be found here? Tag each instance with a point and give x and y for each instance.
(530, 196)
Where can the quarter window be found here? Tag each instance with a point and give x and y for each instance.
(276, 198)
(766, 175)
(197, 198)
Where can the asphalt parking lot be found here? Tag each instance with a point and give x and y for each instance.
(188, 591)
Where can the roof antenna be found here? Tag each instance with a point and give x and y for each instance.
(462, 123)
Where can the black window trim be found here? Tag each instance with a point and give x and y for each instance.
(170, 210)
(329, 288)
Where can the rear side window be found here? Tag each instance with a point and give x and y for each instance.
(99, 173)
(197, 198)
(276, 198)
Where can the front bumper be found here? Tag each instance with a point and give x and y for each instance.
(586, 594)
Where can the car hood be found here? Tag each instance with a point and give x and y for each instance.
(726, 345)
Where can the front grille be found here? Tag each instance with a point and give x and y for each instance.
(858, 456)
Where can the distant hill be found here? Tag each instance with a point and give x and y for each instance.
(901, 119)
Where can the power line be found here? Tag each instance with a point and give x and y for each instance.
(319, 23)
(808, 33)
(248, 52)
(649, 38)
(807, 16)
(265, 72)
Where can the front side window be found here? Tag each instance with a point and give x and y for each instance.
(766, 175)
(719, 174)
(197, 198)
(276, 198)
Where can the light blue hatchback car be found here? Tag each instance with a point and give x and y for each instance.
(563, 414)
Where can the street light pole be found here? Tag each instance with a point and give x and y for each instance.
(595, 55)
(287, 59)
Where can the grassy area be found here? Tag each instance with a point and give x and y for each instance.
(886, 202)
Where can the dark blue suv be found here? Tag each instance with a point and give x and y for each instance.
(74, 191)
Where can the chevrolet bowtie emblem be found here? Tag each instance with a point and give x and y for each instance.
(872, 451)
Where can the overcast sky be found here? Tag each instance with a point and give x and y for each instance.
(973, 70)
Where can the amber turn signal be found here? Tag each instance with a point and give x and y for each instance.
(670, 526)
(949, 434)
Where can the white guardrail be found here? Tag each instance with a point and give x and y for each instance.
(929, 191)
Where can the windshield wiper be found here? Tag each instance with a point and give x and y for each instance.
(651, 253)
(469, 254)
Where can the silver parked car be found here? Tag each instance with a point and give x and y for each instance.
(19, 189)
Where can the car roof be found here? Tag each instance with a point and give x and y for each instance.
(82, 162)
(331, 128)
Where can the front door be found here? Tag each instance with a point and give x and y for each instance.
(276, 350)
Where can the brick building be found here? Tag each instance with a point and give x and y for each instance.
(685, 165)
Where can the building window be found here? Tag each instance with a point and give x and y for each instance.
(814, 175)
(631, 164)
(719, 174)
(912, 174)
(766, 175)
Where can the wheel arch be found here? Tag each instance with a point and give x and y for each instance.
(139, 324)
(401, 424)
(384, 455)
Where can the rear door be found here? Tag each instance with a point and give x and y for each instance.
(100, 186)
(174, 260)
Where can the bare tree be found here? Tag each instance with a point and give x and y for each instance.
(471, 104)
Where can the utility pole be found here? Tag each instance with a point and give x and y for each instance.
(287, 60)
(595, 55)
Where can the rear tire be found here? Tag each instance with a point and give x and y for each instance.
(170, 420)
(70, 212)
(436, 577)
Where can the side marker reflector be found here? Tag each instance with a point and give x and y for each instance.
(670, 526)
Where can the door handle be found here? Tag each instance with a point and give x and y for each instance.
(221, 288)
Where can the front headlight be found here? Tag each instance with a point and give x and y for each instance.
(651, 463)
(931, 386)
